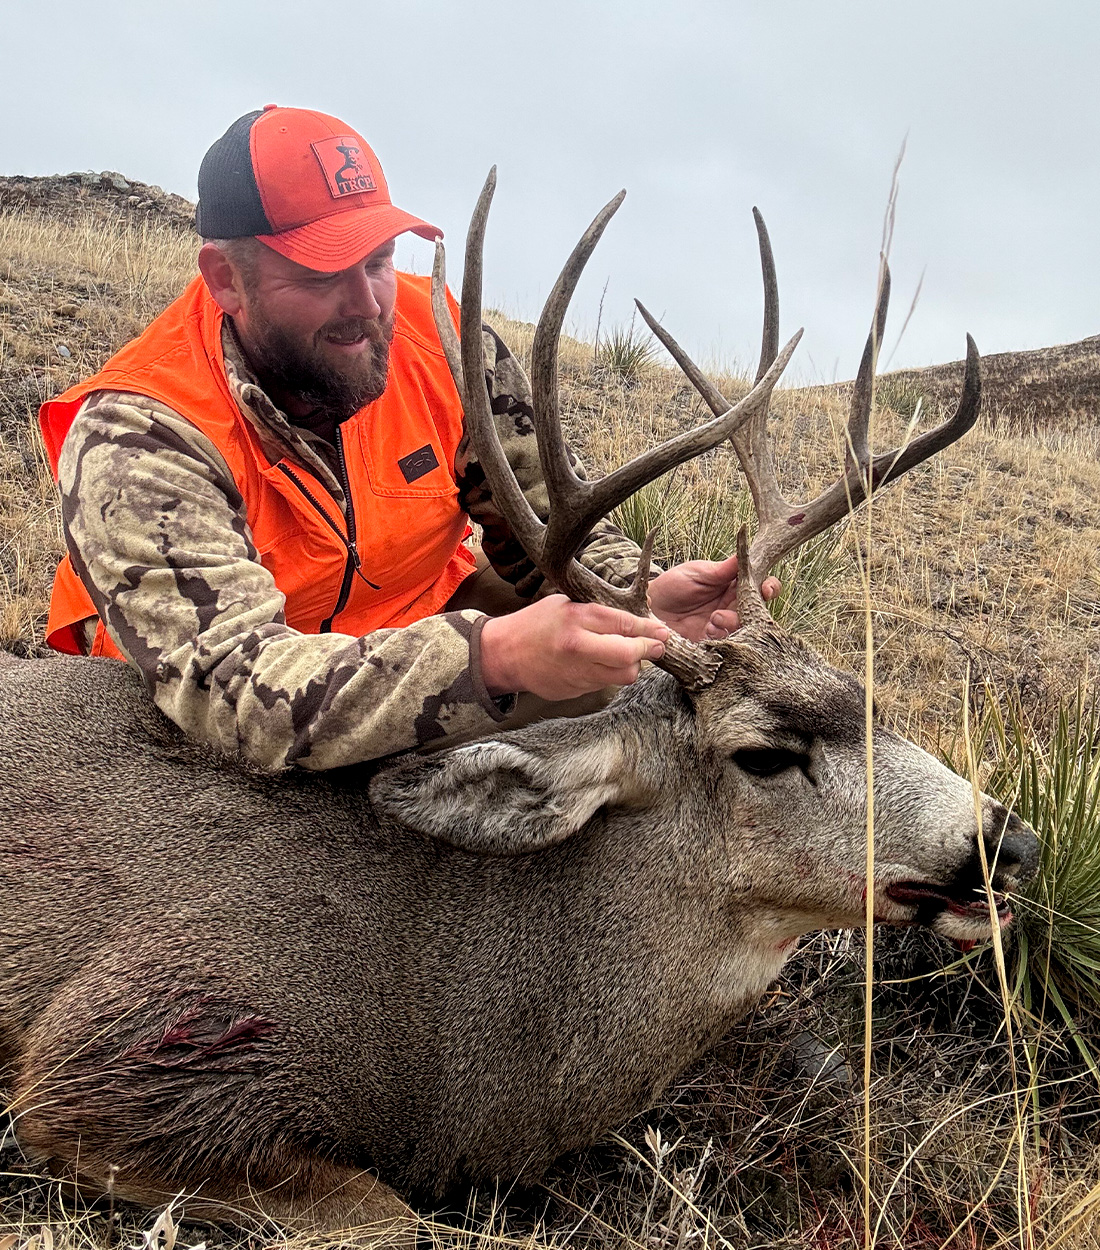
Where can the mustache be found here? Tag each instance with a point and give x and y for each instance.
(358, 328)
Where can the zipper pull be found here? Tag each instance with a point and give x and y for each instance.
(357, 565)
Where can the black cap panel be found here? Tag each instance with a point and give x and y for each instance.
(229, 200)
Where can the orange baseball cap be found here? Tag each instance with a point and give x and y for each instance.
(305, 184)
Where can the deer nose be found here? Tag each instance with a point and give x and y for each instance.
(1011, 843)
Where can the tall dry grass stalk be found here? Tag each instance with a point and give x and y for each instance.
(1023, 1187)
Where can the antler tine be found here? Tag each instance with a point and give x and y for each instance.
(751, 441)
(574, 509)
(448, 336)
(713, 397)
(859, 418)
(769, 345)
(893, 464)
(475, 396)
(750, 603)
(856, 483)
(749, 433)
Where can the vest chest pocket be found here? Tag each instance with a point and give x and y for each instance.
(401, 450)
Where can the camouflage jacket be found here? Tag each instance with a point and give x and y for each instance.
(157, 531)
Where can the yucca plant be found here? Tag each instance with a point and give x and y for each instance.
(904, 396)
(624, 352)
(1052, 780)
(692, 523)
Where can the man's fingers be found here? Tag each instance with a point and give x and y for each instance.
(724, 570)
(771, 587)
(710, 572)
(615, 651)
(596, 618)
(625, 676)
(722, 624)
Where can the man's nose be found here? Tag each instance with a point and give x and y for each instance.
(358, 296)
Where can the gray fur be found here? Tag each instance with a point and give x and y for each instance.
(451, 968)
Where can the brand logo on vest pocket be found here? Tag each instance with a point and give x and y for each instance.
(418, 462)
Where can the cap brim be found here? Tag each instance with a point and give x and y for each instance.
(343, 239)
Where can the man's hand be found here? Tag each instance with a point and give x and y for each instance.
(558, 649)
(695, 598)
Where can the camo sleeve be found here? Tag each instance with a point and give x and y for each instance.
(607, 551)
(156, 530)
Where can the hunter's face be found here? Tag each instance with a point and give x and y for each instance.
(322, 339)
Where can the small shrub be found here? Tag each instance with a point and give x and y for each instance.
(806, 575)
(624, 353)
(692, 523)
(904, 396)
(1052, 781)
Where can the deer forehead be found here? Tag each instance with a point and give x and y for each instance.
(776, 690)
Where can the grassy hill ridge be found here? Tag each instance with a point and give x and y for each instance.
(1051, 387)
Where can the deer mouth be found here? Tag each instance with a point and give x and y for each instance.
(932, 900)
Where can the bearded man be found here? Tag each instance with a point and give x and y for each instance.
(266, 495)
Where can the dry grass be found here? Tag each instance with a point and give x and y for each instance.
(71, 293)
(984, 560)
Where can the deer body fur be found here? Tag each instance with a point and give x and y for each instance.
(454, 969)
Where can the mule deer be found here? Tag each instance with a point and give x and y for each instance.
(300, 996)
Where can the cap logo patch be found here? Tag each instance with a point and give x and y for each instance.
(418, 462)
(342, 162)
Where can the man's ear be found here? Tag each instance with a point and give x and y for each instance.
(222, 278)
(509, 796)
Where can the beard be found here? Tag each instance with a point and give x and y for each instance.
(288, 366)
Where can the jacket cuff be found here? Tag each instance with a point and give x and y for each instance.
(499, 707)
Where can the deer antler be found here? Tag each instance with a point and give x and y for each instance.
(576, 505)
(783, 526)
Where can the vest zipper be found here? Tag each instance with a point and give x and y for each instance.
(354, 564)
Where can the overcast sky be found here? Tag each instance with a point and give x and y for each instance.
(701, 109)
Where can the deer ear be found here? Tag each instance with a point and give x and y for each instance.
(505, 797)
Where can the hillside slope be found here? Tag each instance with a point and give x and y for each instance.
(1055, 387)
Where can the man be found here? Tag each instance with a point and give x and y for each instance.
(265, 495)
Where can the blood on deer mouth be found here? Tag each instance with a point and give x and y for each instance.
(971, 904)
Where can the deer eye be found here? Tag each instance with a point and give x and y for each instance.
(767, 761)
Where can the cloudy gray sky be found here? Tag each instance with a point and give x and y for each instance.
(701, 109)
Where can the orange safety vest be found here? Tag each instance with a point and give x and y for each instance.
(399, 452)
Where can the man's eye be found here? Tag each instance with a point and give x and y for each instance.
(767, 761)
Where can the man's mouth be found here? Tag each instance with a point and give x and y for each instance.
(346, 338)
